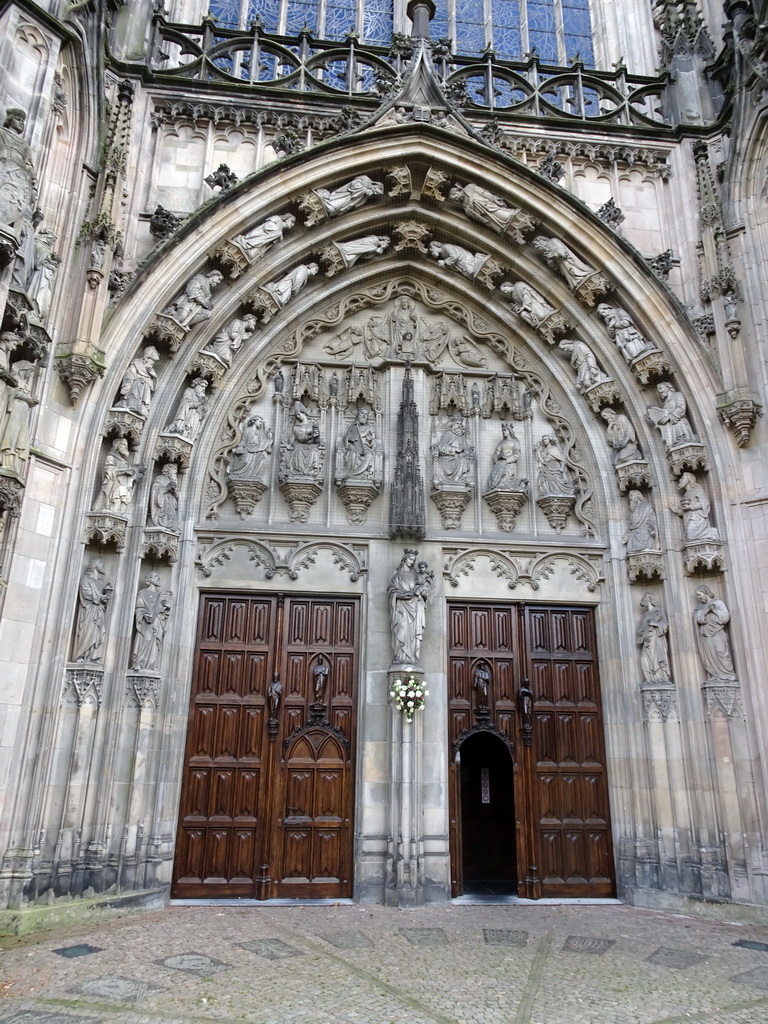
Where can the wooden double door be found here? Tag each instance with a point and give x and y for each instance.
(267, 795)
(528, 788)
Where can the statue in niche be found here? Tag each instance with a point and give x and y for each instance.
(651, 638)
(621, 438)
(693, 507)
(24, 261)
(288, 287)
(583, 361)
(93, 595)
(19, 401)
(153, 607)
(484, 207)
(301, 456)
(527, 303)
(557, 254)
(671, 418)
(195, 304)
(481, 679)
(249, 456)
(320, 679)
(453, 456)
(350, 196)
(139, 383)
(710, 620)
(553, 476)
(164, 498)
(369, 245)
(466, 352)
(118, 481)
(256, 242)
(503, 475)
(404, 328)
(274, 693)
(357, 453)
(643, 531)
(408, 591)
(17, 172)
(43, 276)
(189, 418)
(629, 340)
(456, 257)
(231, 337)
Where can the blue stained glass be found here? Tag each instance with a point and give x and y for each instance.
(470, 10)
(267, 69)
(476, 91)
(366, 79)
(339, 20)
(506, 29)
(377, 26)
(470, 38)
(267, 10)
(506, 95)
(335, 75)
(226, 12)
(591, 103)
(299, 14)
(578, 33)
(225, 63)
(438, 28)
(581, 45)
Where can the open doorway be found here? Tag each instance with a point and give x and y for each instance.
(488, 836)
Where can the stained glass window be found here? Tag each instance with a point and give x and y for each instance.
(226, 12)
(340, 18)
(377, 22)
(470, 27)
(299, 14)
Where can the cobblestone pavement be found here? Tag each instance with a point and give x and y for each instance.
(444, 964)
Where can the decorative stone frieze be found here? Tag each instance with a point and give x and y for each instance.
(521, 565)
(286, 558)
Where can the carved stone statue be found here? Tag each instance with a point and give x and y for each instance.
(301, 456)
(43, 273)
(710, 620)
(139, 383)
(455, 257)
(191, 413)
(288, 287)
(404, 326)
(94, 594)
(249, 456)
(553, 476)
(557, 253)
(164, 498)
(118, 481)
(527, 303)
(17, 172)
(651, 638)
(195, 303)
(350, 196)
(694, 507)
(621, 437)
(19, 400)
(151, 621)
(408, 591)
(642, 532)
(355, 248)
(485, 207)
(503, 475)
(257, 241)
(671, 418)
(274, 693)
(629, 340)
(231, 337)
(453, 456)
(320, 679)
(356, 459)
(583, 361)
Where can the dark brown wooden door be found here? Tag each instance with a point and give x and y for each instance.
(559, 795)
(267, 795)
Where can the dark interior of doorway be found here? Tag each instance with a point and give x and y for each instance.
(488, 837)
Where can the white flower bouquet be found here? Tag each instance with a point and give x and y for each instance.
(409, 696)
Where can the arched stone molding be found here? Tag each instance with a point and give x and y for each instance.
(283, 558)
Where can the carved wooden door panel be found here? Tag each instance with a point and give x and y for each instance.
(528, 675)
(267, 795)
(570, 816)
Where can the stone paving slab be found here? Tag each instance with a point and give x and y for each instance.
(443, 964)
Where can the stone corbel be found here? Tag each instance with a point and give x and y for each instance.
(691, 455)
(83, 685)
(166, 331)
(659, 700)
(635, 474)
(357, 497)
(411, 235)
(557, 508)
(650, 364)
(124, 423)
(230, 258)
(245, 495)
(11, 492)
(506, 505)
(703, 556)
(602, 394)
(174, 448)
(645, 566)
(739, 412)
(103, 528)
(451, 500)
(79, 363)
(160, 543)
(723, 696)
(208, 365)
(433, 183)
(301, 495)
